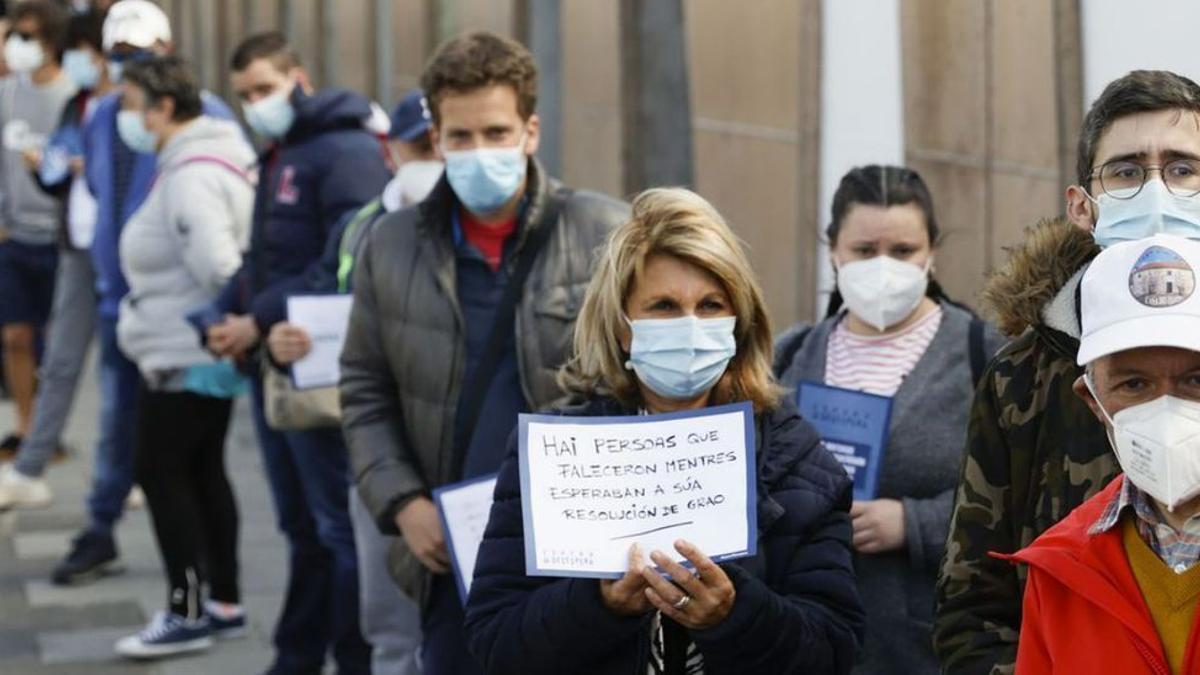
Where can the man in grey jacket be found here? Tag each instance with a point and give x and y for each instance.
(439, 359)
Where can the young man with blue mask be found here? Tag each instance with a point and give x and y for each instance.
(58, 168)
(389, 620)
(119, 177)
(463, 312)
(321, 163)
(1034, 450)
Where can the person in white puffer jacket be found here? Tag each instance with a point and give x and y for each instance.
(177, 251)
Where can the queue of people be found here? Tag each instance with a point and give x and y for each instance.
(1004, 531)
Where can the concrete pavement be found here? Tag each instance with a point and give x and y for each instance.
(46, 629)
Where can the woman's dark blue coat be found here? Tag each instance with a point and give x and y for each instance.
(796, 610)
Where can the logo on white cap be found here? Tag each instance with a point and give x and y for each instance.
(1161, 278)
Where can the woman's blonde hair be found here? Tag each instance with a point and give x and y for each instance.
(679, 223)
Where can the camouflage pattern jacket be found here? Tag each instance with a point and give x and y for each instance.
(1034, 450)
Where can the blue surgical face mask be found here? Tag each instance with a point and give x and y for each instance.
(271, 116)
(131, 127)
(484, 179)
(1151, 211)
(80, 67)
(681, 358)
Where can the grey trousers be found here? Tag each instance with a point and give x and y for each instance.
(390, 621)
(72, 325)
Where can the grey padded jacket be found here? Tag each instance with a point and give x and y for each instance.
(403, 360)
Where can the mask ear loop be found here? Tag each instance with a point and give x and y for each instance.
(1091, 387)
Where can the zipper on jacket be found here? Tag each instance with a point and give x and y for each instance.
(1155, 664)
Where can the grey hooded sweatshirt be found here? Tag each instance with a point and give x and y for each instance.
(184, 242)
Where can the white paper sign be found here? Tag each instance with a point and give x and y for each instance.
(325, 319)
(464, 508)
(593, 486)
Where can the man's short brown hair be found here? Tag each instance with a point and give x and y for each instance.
(1138, 92)
(271, 45)
(477, 60)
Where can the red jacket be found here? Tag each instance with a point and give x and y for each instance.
(1083, 611)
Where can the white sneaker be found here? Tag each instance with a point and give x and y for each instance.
(136, 499)
(22, 492)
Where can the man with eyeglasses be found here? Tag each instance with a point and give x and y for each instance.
(1034, 450)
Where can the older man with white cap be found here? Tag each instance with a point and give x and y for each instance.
(120, 179)
(1114, 586)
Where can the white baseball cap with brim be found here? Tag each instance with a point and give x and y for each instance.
(1141, 294)
(138, 23)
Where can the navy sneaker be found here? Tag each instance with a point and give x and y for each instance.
(93, 555)
(167, 634)
(226, 628)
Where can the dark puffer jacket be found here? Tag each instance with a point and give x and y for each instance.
(327, 166)
(796, 611)
(405, 351)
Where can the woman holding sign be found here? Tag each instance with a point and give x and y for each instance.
(897, 339)
(673, 321)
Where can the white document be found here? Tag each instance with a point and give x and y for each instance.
(325, 319)
(593, 486)
(465, 508)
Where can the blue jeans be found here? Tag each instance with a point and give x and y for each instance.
(112, 473)
(309, 475)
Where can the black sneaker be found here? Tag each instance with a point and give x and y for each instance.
(92, 556)
(9, 447)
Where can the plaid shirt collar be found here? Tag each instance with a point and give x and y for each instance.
(1178, 549)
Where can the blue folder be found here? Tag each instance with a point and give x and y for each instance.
(853, 425)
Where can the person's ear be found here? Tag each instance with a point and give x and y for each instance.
(1081, 390)
(302, 79)
(1081, 210)
(533, 128)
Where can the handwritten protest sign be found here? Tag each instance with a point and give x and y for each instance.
(464, 508)
(593, 486)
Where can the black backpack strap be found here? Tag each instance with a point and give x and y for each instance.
(471, 401)
(787, 351)
(975, 349)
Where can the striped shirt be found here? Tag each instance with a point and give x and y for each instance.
(1179, 549)
(877, 364)
(672, 651)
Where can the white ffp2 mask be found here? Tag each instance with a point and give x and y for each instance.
(1158, 446)
(882, 291)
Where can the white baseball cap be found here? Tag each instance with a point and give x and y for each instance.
(1141, 294)
(139, 23)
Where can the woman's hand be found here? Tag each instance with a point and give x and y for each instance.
(878, 525)
(288, 343)
(709, 591)
(626, 596)
(233, 337)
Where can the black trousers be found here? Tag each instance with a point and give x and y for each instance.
(180, 464)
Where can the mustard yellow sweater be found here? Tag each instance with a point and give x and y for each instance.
(1171, 597)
